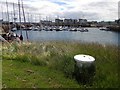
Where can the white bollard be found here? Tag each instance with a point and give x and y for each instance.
(84, 68)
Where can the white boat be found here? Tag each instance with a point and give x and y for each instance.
(104, 28)
(65, 28)
(86, 30)
(35, 29)
(14, 29)
(30, 28)
(83, 30)
(73, 29)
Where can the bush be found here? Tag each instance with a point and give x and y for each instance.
(38, 61)
(64, 64)
(22, 58)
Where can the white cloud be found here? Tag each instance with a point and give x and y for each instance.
(89, 9)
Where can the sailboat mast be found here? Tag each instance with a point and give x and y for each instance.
(14, 11)
(7, 10)
(24, 18)
(11, 17)
(8, 15)
(19, 15)
(40, 19)
(28, 17)
(23, 11)
(31, 18)
(2, 11)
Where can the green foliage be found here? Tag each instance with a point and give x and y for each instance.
(22, 58)
(37, 61)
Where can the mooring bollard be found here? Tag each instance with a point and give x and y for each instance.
(84, 68)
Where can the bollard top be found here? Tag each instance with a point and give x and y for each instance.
(84, 58)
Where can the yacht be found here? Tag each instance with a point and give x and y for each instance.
(14, 29)
(104, 28)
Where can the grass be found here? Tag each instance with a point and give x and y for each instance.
(26, 75)
(51, 65)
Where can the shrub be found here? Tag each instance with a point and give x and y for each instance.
(38, 61)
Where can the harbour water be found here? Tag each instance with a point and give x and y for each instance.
(93, 35)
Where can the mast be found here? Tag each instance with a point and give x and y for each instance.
(14, 12)
(8, 15)
(19, 15)
(24, 18)
(2, 15)
(40, 19)
(11, 17)
(7, 11)
(23, 11)
(35, 17)
(28, 18)
(2, 11)
(28, 15)
(31, 18)
(14, 17)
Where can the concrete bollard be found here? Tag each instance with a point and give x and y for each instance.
(84, 68)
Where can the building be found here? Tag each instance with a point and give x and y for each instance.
(58, 22)
(67, 21)
(93, 24)
(70, 22)
(108, 23)
(82, 21)
(74, 21)
(46, 23)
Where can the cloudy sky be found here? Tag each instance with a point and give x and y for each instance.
(49, 9)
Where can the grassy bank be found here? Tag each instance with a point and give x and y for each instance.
(51, 64)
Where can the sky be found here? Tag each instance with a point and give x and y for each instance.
(92, 10)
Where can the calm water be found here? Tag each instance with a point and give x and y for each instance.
(94, 35)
